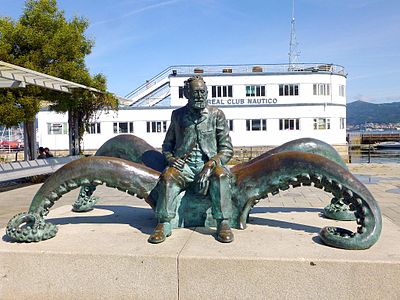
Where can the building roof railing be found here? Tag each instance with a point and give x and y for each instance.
(189, 70)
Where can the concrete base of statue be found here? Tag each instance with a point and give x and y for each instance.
(104, 254)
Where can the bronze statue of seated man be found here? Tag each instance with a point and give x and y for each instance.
(197, 146)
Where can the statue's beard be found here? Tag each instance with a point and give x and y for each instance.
(198, 104)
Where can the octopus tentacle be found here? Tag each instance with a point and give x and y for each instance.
(133, 178)
(292, 169)
(336, 210)
(30, 227)
(85, 200)
(308, 145)
(125, 146)
(134, 149)
(339, 210)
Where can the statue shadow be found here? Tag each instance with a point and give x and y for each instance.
(261, 210)
(6, 239)
(140, 218)
(317, 240)
(275, 223)
(144, 220)
(284, 224)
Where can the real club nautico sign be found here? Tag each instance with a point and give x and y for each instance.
(247, 101)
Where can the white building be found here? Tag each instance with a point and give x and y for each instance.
(265, 105)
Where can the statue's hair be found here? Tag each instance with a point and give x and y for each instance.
(187, 83)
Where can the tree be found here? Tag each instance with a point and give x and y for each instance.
(45, 41)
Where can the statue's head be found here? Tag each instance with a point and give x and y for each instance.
(195, 91)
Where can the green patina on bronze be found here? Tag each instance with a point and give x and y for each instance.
(303, 162)
(134, 149)
(337, 209)
(135, 179)
(197, 147)
(125, 146)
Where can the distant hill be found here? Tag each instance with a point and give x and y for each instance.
(360, 112)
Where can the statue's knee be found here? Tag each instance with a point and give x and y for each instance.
(220, 173)
(171, 176)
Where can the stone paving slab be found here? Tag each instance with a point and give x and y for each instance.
(280, 256)
(282, 225)
(379, 178)
(104, 254)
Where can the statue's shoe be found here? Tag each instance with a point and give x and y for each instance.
(160, 233)
(224, 232)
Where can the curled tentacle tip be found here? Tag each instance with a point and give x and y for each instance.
(346, 239)
(342, 213)
(29, 227)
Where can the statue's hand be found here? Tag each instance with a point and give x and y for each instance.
(176, 162)
(207, 171)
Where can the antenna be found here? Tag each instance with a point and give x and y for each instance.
(294, 53)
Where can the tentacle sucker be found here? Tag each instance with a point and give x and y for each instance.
(30, 227)
(128, 147)
(336, 210)
(295, 169)
(126, 176)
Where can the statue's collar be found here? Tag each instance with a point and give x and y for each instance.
(195, 117)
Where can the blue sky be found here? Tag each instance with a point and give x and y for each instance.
(137, 39)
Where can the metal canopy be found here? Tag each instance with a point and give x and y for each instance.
(15, 76)
(12, 76)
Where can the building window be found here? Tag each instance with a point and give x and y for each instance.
(93, 128)
(342, 123)
(256, 125)
(221, 91)
(341, 90)
(57, 128)
(156, 126)
(255, 90)
(181, 92)
(321, 89)
(289, 124)
(230, 124)
(322, 123)
(123, 127)
(288, 90)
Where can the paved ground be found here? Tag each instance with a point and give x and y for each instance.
(104, 253)
(382, 180)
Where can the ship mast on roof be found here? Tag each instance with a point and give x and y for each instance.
(294, 53)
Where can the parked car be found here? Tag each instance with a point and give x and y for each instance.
(15, 145)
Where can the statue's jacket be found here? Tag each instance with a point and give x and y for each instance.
(210, 131)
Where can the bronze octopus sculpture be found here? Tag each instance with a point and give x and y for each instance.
(129, 164)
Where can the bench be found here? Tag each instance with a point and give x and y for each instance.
(23, 169)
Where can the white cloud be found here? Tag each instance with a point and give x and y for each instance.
(376, 99)
(137, 11)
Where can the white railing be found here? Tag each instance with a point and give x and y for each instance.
(260, 68)
(155, 97)
(234, 69)
(149, 90)
(149, 83)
